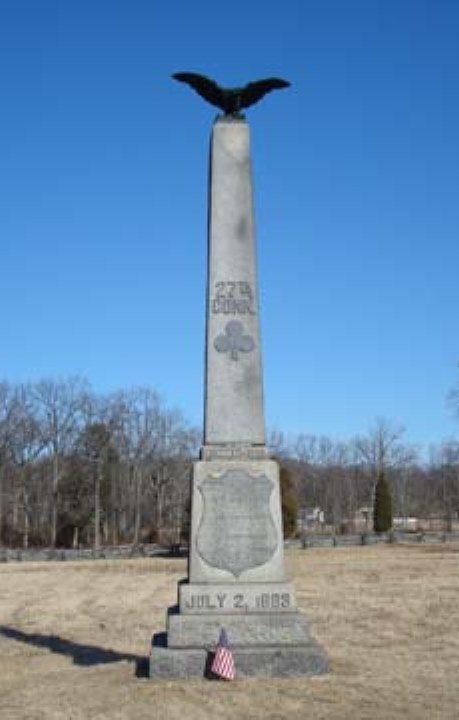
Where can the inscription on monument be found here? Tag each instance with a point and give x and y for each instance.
(237, 531)
(233, 298)
(237, 451)
(239, 601)
(237, 598)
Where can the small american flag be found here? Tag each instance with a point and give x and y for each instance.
(223, 662)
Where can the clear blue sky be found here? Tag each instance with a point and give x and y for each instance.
(103, 162)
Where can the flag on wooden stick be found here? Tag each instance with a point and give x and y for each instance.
(223, 662)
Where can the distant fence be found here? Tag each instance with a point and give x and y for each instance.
(114, 552)
(346, 540)
(119, 552)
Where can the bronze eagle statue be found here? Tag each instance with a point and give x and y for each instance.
(230, 100)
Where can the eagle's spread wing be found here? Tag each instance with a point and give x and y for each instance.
(254, 91)
(206, 88)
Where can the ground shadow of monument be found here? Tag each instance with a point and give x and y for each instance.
(81, 654)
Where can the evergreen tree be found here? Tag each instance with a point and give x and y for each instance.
(289, 502)
(382, 510)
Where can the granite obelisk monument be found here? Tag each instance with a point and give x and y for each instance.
(236, 575)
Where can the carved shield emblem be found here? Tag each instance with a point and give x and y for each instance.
(237, 531)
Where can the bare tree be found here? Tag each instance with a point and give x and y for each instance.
(382, 450)
(445, 472)
(136, 418)
(381, 447)
(59, 405)
(6, 412)
(170, 474)
(26, 447)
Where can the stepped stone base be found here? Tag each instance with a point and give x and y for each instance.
(252, 629)
(263, 645)
(269, 661)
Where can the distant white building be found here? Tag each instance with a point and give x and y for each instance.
(310, 518)
(405, 523)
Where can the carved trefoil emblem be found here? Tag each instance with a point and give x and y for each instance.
(237, 531)
(234, 341)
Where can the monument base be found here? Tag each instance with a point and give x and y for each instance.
(236, 580)
(276, 661)
(267, 661)
(263, 645)
(251, 629)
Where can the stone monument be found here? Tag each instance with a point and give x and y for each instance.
(236, 566)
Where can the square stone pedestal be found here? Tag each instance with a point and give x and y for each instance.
(236, 581)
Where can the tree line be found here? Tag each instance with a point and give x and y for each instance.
(79, 468)
(342, 477)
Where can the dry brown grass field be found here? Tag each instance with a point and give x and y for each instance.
(73, 634)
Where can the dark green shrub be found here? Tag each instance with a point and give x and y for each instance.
(289, 502)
